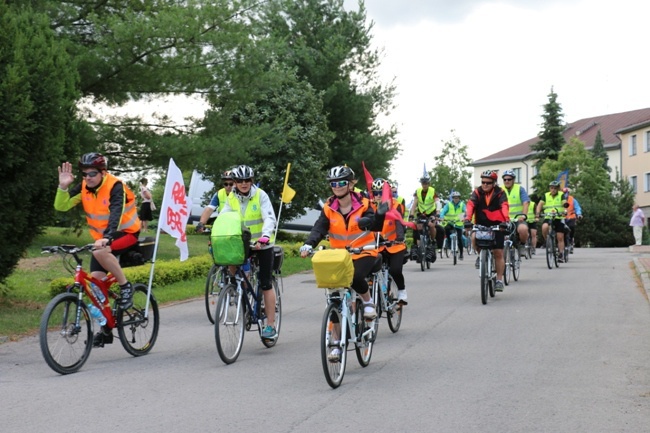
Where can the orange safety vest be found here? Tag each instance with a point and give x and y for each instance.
(389, 231)
(571, 210)
(96, 207)
(342, 235)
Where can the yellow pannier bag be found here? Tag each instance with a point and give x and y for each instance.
(333, 268)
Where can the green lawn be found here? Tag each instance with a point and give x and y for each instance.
(26, 292)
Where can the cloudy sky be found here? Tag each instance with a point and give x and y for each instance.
(485, 68)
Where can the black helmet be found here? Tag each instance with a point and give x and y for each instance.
(340, 172)
(93, 160)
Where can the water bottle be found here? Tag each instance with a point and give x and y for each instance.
(98, 293)
(96, 314)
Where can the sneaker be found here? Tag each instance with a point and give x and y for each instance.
(269, 333)
(402, 297)
(498, 286)
(126, 296)
(369, 312)
(100, 339)
(460, 257)
(477, 265)
(560, 258)
(335, 354)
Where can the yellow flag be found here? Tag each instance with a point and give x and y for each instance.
(288, 193)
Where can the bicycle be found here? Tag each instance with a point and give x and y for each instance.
(450, 245)
(425, 244)
(512, 257)
(551, 241)
(66, 328)
(240, 307)
(343, 325)
(485, 240)
(214, 282)
(383, 295)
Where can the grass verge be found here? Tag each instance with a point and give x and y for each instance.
(26, 292)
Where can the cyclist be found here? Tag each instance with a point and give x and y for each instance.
(518, 202)
(393, 231)
(573, 213)
(218, 200)
(488, 204)
(532, 224)
(424, 206)
(453, 214)
(112, 217)
(340, 220)
(257, 214)
(553, 201)
(397, 197)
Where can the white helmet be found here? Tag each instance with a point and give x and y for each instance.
(242, 172)
(378, 184)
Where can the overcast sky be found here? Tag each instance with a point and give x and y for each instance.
(485, 68)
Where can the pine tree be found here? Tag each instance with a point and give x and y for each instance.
(598, 151)
(551, 138)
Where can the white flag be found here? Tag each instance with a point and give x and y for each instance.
(175, 208)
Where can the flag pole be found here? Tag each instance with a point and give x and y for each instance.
(286, 195)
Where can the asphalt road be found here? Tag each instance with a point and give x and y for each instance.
(562, 350)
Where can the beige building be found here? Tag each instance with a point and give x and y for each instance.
(626, 138)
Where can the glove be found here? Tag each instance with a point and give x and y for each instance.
(306, 249)
(199, 227)
(382, 208)
(504, 225)
(264, 240)
(467, 224)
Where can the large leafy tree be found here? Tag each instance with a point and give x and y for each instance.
(331, 49)
(551, 139)
(450, 171)
(37, 125)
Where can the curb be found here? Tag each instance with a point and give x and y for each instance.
(644, 275)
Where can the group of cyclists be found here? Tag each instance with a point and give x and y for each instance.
(111, 214)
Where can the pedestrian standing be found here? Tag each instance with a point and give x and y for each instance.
(637, 222)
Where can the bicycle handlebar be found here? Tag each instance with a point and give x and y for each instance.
(66, 249)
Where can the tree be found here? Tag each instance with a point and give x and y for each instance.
(450, 171)
(605, 204)
(37, 126)
(598, 151)
(330, 48)
(551, 138)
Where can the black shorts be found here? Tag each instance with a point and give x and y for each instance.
(122, 242)
(145, 211)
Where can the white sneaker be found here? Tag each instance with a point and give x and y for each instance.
(335, 354)
(369, 312)
(402, 297)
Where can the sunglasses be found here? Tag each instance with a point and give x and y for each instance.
(228, 183)
(376, 193)
(487, 183)
(89, 174)
(243, 180)
(507, 179)
(339, 183)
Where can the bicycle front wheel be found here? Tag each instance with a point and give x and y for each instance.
(423, 253)
(550, 251)
(484, 276)
(213, 285)
(446, 248)
(454, 249)
(332, 333)
(229, 325)
(66, 343)
(138, 331)
(506, 257)
(516, 263)
(278, 314)
(365, 338)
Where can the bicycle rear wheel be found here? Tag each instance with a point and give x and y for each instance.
(213, 285)
(229, 326)
(485, 280)
(446, 247)
(550, 251)
(138, 332)
(516, 263)
(333, 367)
(278, 314)
(364, 339)
(394, 313)
(65, 345)
(506, 258)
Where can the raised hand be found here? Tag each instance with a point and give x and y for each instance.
(65, 175)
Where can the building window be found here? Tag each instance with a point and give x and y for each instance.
(633, 183)
(646, 182)
(646, 148)
(632, 145)
(518, 175)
